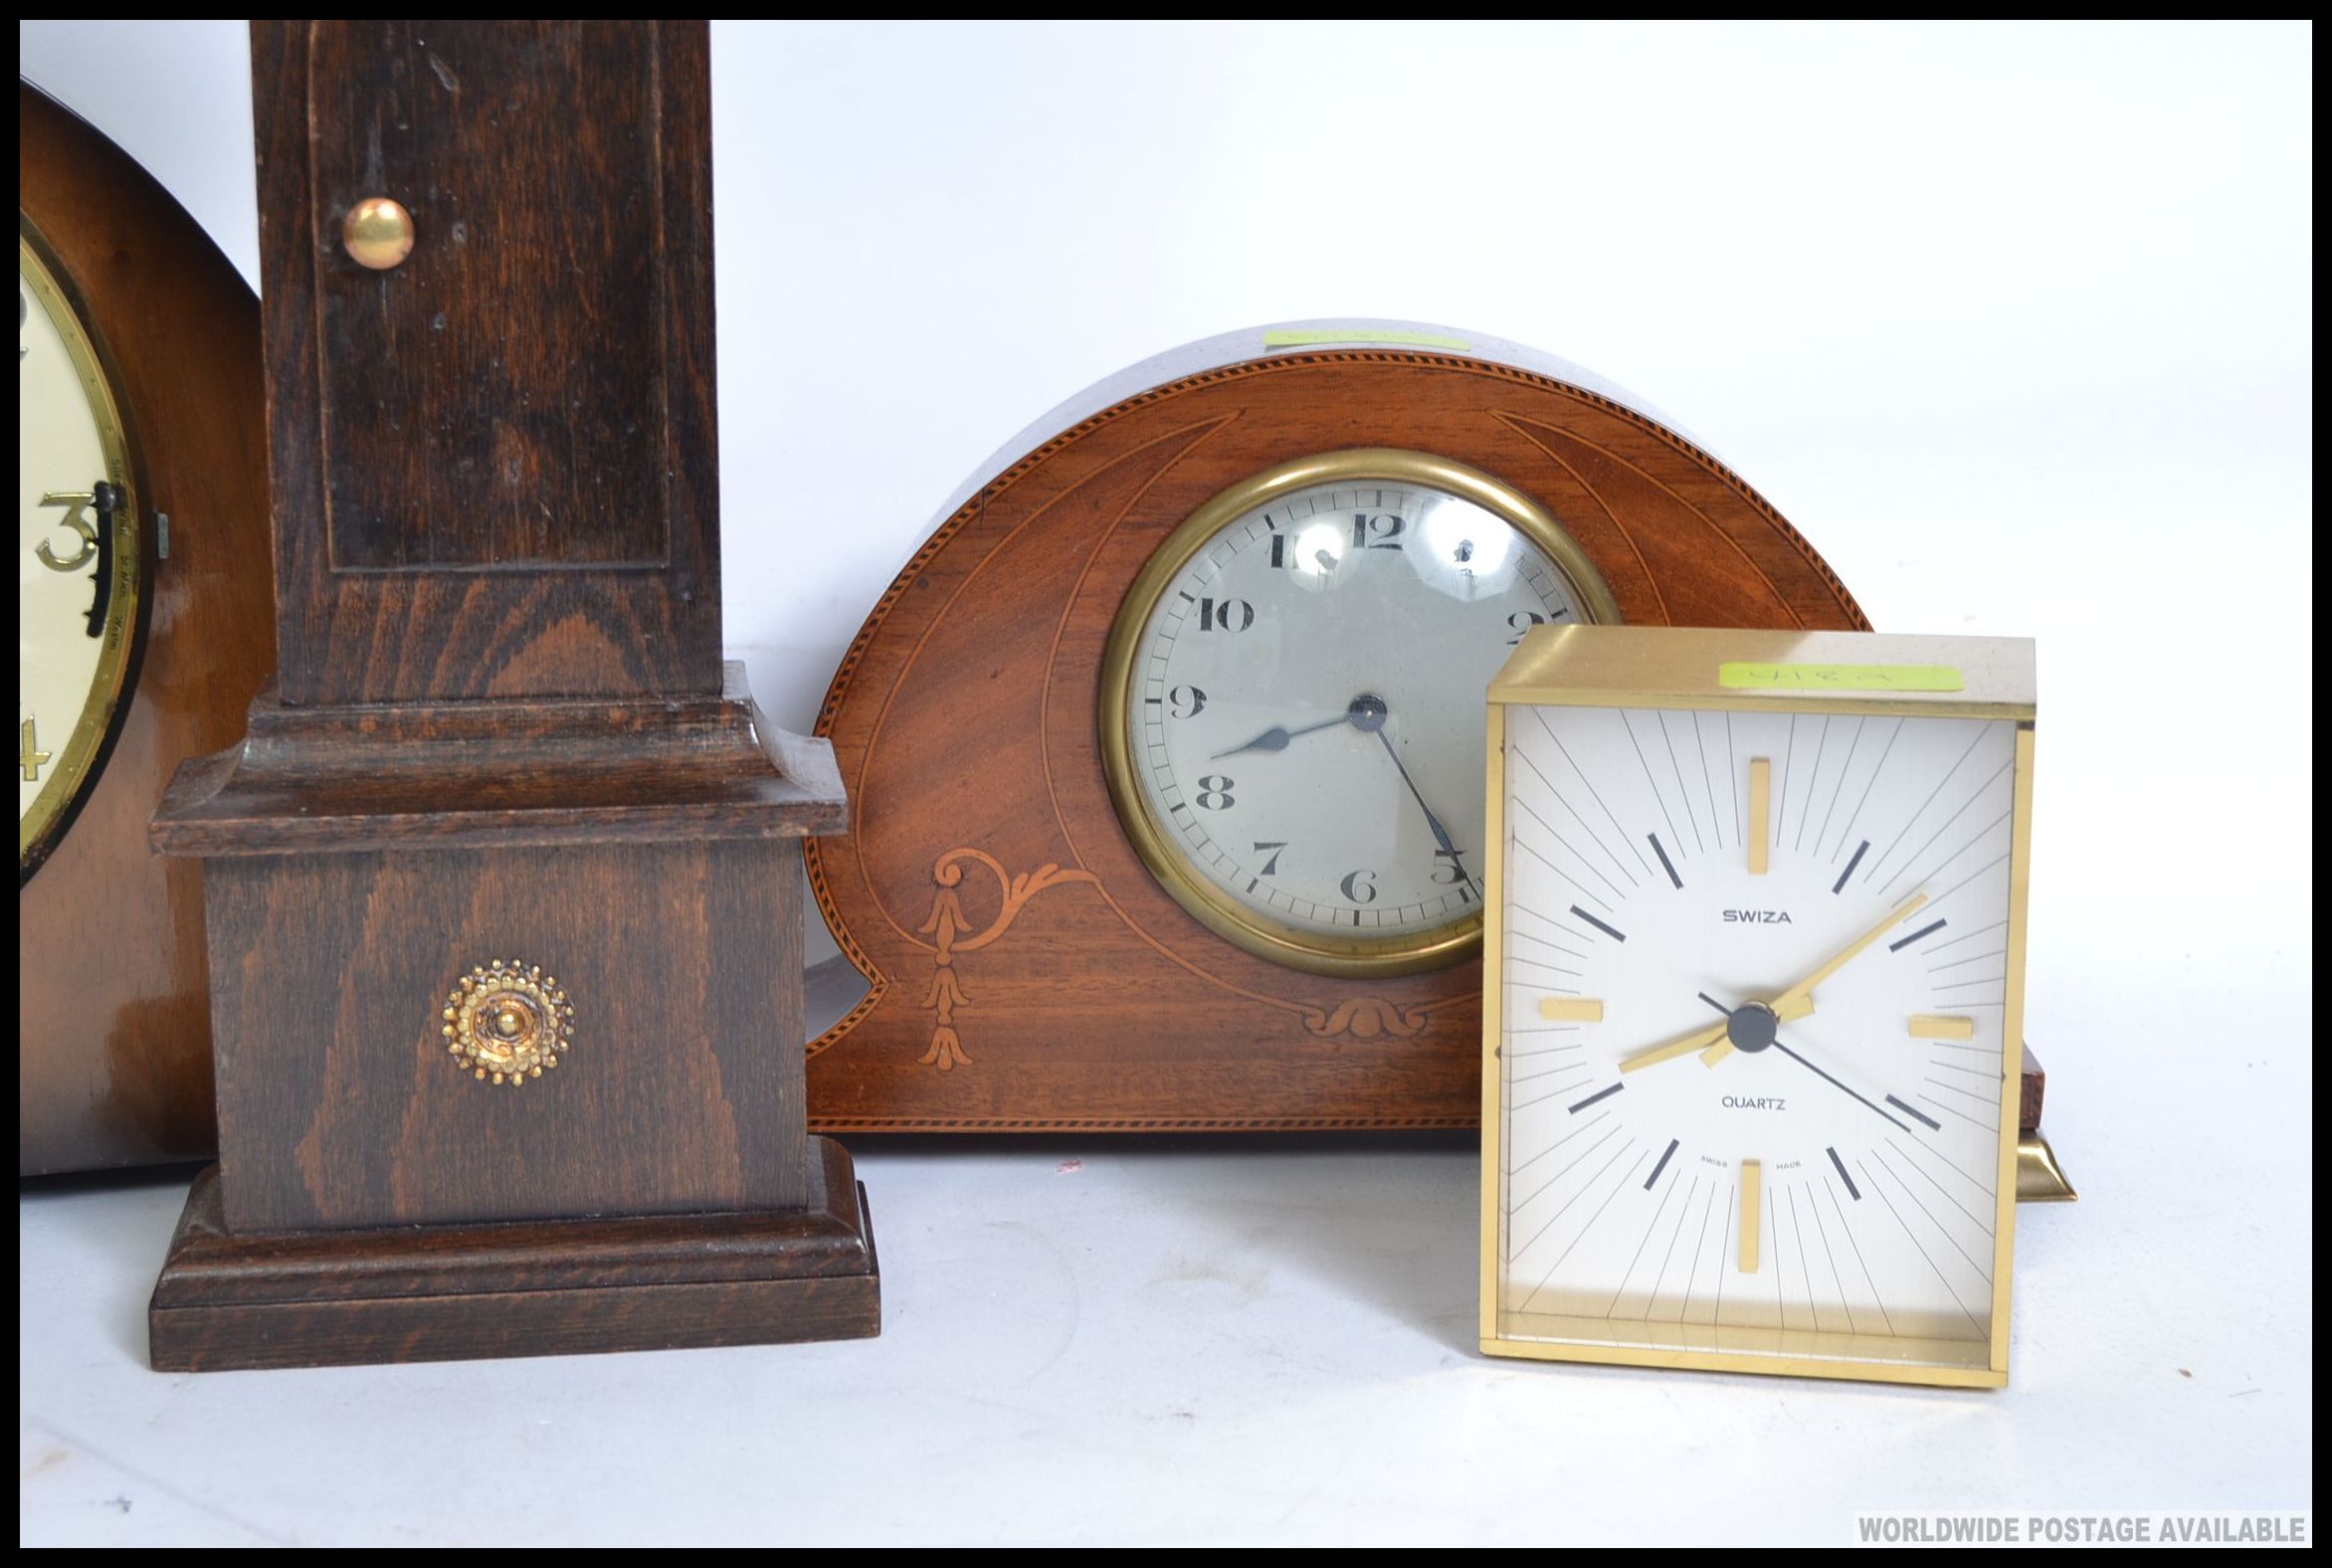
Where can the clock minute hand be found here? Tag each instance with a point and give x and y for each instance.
(1276, 737)
(1835, 1083)
(1803, 1008)
(1798, 1000)
(1440, 833)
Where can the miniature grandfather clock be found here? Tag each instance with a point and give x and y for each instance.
(502, 885)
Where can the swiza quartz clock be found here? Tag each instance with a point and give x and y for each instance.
(1755, 954)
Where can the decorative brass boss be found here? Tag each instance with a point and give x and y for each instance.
(507, 1021)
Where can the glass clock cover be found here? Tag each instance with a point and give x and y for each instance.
(77, 566)
(1292, 702)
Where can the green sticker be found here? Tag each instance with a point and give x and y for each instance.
(1838, 678)
(1285, 339)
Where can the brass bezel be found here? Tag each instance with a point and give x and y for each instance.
(81, 761)
(1673, 667)
(1314, 952)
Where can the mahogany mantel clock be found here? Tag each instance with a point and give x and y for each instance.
(142, 633)
(503, 885)
(1166, 746)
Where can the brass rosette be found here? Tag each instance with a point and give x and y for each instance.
(507, 1022)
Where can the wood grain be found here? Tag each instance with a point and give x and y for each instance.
(509, 773)
(113, 1024)
(502, 734)
(227, 1300)
(340, 1106)
(529, 458)
(964, 723)
(493, 467)
(2033, 1091)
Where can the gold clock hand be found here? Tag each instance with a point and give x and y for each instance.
(1673, 1049)
(1798, 1001)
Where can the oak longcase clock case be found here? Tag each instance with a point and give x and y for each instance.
(503, 880)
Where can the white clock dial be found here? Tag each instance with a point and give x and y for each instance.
(70, 661)
(1836, 1167)
(1304, 710)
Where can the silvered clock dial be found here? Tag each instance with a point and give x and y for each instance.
(1292, 717)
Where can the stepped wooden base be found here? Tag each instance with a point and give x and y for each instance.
(552, 1288)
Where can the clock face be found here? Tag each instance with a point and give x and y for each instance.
(1753, 1084)
(1297, 739)
(76, 562)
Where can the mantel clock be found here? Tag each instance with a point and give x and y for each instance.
(1169, 739)
(142, 633)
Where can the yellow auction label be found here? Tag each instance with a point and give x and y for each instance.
(1747, 677)
(1290, 338)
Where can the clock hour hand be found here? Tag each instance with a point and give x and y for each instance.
(1673, 1049)
(1786, 1010)
(1798, 1000)
(1364, 712)
(1717, 1033)
(1276, 737)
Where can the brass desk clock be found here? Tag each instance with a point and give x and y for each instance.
(1756, 947)
(503, 884)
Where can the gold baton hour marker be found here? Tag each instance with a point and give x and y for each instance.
(1760, 815)
(1571, 1008)
(1941, 1026)
(1752, 1183)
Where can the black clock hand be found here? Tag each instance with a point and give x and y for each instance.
(1276, 737)
(1364, 712)
(1754, 1032)
(1834, 1082)
(1440, 833)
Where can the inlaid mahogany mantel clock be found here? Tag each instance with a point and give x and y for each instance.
(502, 885)
(1167, 743)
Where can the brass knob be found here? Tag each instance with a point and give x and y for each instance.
(377, 233)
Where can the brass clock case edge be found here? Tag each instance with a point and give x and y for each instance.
(1315, 953)
(81, 761)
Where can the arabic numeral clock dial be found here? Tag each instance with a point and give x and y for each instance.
(77, 563)
(1292, 702)
(1755, 1001)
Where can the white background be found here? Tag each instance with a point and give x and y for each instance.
(2014, 323)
